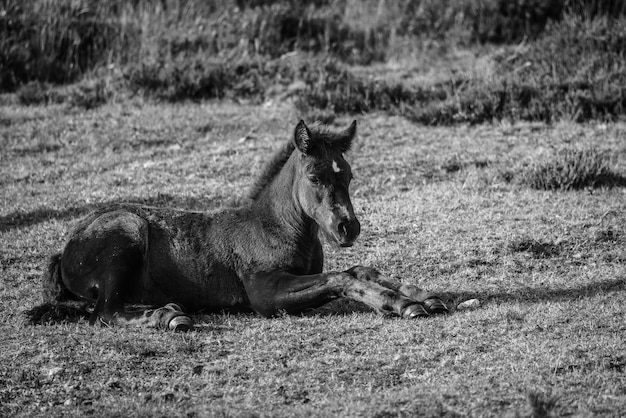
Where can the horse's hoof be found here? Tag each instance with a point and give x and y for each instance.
(180, 323)
(414, 311)
(174, 319)
(435, 306)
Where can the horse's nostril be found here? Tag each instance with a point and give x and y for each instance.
(343, 228)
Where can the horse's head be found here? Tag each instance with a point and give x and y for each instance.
(323, 179)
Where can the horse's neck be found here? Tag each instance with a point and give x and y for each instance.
(279, 202)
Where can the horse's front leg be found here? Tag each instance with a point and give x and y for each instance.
(277, 291)
(431, 301)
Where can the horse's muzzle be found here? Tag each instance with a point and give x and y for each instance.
(347, 232)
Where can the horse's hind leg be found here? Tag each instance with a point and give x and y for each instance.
(110, 292)
(431, 301)
(104, 261)
(170, 317)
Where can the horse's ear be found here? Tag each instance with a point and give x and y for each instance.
(303, 139)
(345, 138)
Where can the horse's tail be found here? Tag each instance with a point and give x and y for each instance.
(54, 293)
(53, 289)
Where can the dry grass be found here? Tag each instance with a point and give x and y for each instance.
(570, 169)
(548, 339)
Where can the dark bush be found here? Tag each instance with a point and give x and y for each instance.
(56, 42)
(181, 79)
(330, 85)
(499, 21)
(199, 78)
(590, 9)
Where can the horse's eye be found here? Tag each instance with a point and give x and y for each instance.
(314, 180)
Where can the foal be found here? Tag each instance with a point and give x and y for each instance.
(264, 256)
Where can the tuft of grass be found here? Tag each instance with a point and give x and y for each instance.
(90, 94)
(570, 169)
(539, 249)
(38, 93)
(87, 94)
(542, 405)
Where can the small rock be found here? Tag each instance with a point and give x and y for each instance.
(468, 304)
(248, 137)
(53, 371)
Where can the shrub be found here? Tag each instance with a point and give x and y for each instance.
(330, 85)
(570, 169)
(90, 94)
(56, 42)
(181, 79)
(575, 71)
(577, 68)
(498, 21)
(36, 93)
(198, 77)
(590, 9)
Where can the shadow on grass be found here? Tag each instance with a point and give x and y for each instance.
(19, 219)
(344, 307)
(48, 313)
(539, 294)
(70, 312)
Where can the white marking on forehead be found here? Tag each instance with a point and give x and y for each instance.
(336, 168)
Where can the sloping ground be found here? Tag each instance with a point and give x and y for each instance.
(446, 208)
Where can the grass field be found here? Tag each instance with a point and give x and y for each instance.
(448, 208)
(519, 202)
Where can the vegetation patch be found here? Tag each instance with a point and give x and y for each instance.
(574, 71)
(550, 320)
(571, 169)
(538, 249)
(567, 60)
(541, 405)
(197, 78)
(58, 42)
(543, 81)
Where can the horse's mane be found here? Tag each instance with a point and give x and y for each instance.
(319, 132)
(271, 169)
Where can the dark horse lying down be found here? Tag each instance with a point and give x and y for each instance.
(265, 255)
